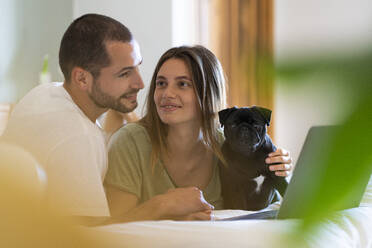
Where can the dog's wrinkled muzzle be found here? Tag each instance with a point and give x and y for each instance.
(247, 136)
(245, 139)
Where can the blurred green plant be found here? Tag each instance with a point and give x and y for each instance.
(45, 68)
(350, 150)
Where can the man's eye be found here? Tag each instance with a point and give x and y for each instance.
(124, 74)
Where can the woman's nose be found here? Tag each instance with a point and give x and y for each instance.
(169, 92)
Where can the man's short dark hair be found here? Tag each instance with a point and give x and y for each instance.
(84, 43)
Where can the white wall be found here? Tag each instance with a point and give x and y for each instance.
(28, 31)
(7, 48)
(149, 21)
(31, 29)
(305, 29)
(190, 22)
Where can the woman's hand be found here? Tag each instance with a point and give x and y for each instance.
(204, 215)
(282, 162)
(185, 204)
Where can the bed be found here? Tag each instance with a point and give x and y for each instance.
(352, 228)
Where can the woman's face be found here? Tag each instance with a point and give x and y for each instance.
(175, 99)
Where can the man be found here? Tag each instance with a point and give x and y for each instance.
(99, 59)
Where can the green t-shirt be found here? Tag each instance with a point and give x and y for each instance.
(129, 168)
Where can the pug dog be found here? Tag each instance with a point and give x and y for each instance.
(246, 181)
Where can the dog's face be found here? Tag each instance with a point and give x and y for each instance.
(245, 128)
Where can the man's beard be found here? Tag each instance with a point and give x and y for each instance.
(104, 100)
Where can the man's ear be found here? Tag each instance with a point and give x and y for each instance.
(265, 113)
(223, 114)
(81, 78)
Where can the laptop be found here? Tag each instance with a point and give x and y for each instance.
(303, 183)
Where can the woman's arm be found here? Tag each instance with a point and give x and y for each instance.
(122, 205)
(177, 204)
(282, 160)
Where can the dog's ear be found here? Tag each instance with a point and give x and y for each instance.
(265, 113)
(223, 114)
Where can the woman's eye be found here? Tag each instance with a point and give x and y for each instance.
(184, 84)
(160, 83)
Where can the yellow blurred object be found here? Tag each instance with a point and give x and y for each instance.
(5, 109)
(25, 219)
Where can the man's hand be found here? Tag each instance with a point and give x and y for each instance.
(185, 203)
(282, 160)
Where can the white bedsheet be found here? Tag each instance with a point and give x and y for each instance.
(352, 229)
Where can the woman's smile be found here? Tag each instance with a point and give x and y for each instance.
(169, 107)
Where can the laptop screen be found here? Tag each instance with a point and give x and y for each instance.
(310, 170)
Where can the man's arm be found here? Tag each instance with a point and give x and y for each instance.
(74, 174)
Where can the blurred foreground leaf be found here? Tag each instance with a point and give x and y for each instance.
(347, 69)
(349, 164)
(350, 150)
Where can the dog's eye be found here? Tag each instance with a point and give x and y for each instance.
(258, 127)
(234, 125)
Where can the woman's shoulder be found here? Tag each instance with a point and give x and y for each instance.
(134, 132)
(132, 129)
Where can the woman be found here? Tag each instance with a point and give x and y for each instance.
(165, 166)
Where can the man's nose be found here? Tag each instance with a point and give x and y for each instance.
(137, 80)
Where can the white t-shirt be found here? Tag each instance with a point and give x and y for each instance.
(71, 149)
